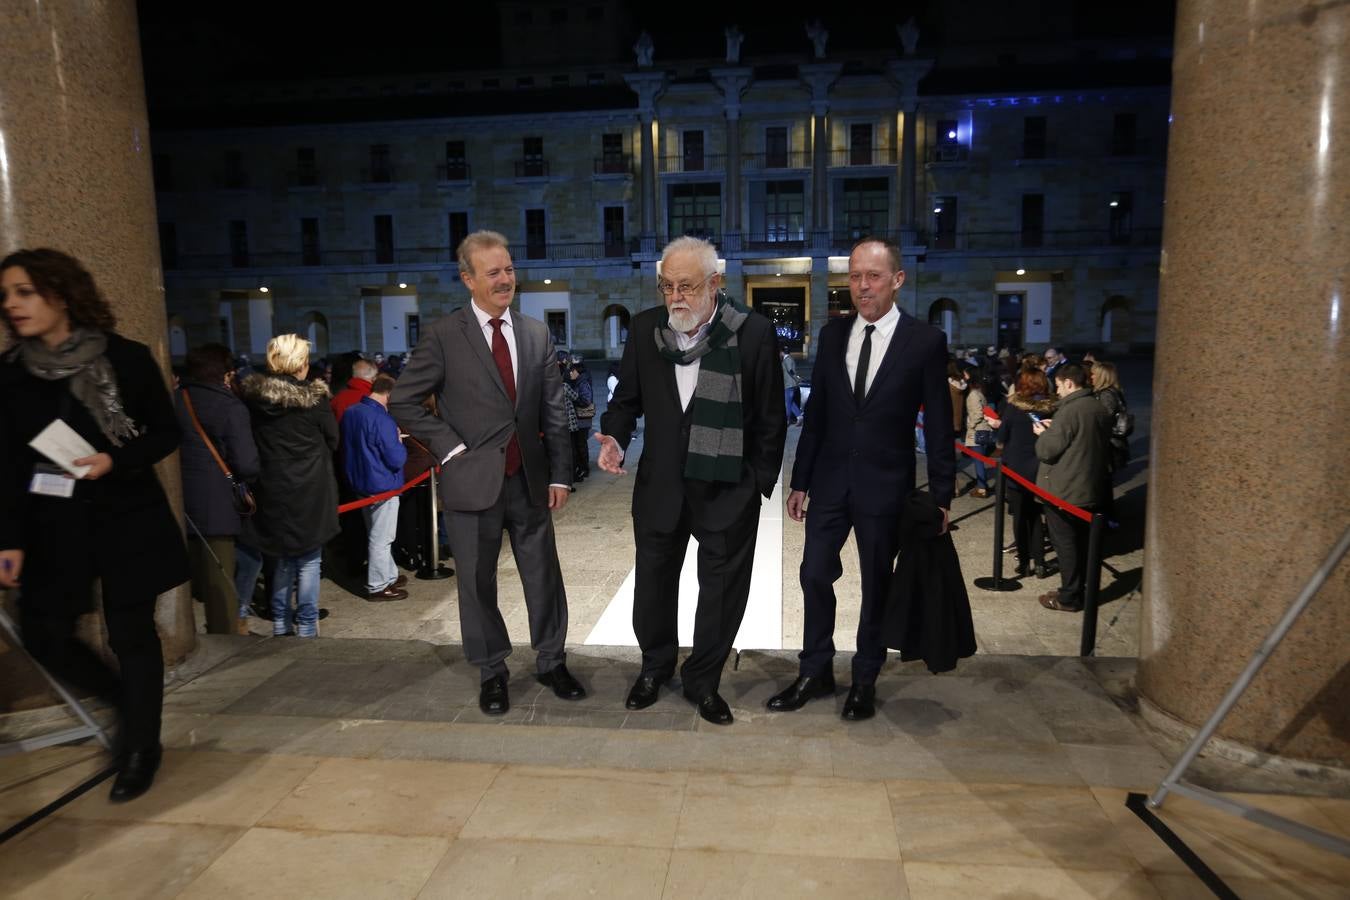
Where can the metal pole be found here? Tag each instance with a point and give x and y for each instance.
(1257, 661)
(1000, 499)
(1088, 642)
(434, 570)
(92, 726)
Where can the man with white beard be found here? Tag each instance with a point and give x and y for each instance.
(704, 371)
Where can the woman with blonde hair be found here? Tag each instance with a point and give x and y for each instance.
(296, 435)
(1106, 388)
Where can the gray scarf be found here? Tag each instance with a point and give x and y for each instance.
(92, 382)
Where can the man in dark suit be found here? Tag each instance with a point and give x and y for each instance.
(497, 391)
(704, 372)
(855, 461)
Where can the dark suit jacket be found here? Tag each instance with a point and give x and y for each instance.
(867, 453)
(120, 527)
(453, 361)
(647, 388)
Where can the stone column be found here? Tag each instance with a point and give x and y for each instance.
(76, 175)
(906, 75)
(732, 83)
(648, 86)
(1248, 489)
(819, 77)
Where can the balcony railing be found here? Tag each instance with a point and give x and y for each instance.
(456, 171)
(1014, 240)
(569, 251)
(232, 181)
(863, 156)
(378, 175)
(781, 240)
(692, 162)
(614, 164)
(531, 168)
(776, 159)
(303, 178)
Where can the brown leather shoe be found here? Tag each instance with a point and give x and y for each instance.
(400, 581)
(389, 593)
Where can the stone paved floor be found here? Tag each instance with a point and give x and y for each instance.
(362, 768)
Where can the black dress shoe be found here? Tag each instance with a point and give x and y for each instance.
(564, 685)
(136, 774)
(806, 687)
(492, 697)
(861, 703)
(645, 691)
(711, 707)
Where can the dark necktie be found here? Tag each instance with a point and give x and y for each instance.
(502, 357)
(864, 359)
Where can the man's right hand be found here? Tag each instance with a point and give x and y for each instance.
(11, 567)
(611, 455)
(796, 506)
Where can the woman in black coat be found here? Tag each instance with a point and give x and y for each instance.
(208, 496)
(114, 524)
(296, 435)
(1030, 397)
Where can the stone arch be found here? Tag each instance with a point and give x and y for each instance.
(1115, 325)
(944, 313)
(316, 332)
(614, 329)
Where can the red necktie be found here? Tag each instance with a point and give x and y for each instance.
(502, 356)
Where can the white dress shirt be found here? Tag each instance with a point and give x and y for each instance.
(686, 377)
(881, 339)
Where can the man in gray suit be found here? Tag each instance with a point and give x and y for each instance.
(500, 429)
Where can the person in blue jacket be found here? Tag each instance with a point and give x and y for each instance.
(372, 459)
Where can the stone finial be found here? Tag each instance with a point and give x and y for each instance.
(645, 48)
(734, 38)
(909, 35)
(815, 30)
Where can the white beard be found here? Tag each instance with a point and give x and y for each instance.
(686, 320)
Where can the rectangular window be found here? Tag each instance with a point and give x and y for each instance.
(1033, 137)
(696, 209)
(412, 325)
(459, 229)
(536, 234)
(239, 244)
(692, 145)
(860, 144)
(234, 170)
(306, 167)
(866, 206)
(611, 154)
(456, 161)
(309, 242)
(381, 164)
(613, 226)
(556, 320)
(1123, 137)
(168, 244)
(784, 211)
(163, 171)
(776, 147)
(944, 222)
(1033, 220)
(1122, 216)
(384, 239)
(533, 164)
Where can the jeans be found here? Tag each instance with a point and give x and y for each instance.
(248, 562)
(984, 445)
(381, 526)
(920, 442)
(790, 399)
(305, 617)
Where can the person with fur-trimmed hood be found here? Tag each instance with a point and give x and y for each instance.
(296, 434)
(1031, 396)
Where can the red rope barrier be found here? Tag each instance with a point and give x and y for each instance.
(1039, 492)
(378, 498)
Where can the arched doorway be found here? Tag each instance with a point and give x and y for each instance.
(178, 342)
(1116, 327)
(316, 332)
(615, 329)
(945, 314)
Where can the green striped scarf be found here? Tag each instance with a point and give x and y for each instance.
(716, 439)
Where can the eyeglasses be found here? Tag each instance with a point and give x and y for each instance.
(685, 290)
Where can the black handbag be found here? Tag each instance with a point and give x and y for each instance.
(244, 503)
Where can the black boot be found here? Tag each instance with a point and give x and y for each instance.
(136, 774)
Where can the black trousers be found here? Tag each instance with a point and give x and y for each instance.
(1069, 535)
(725, 561)
(878, 539)
(1028, 530)
(581, 451)
(138, 694)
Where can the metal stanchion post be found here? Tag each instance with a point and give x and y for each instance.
(1088, 643)
(1000, 499)
(433, 570)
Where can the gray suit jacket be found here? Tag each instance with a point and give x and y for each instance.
(454, 363)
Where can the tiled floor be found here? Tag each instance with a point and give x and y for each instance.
(363, 769)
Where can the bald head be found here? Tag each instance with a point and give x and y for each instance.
(365, 370)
